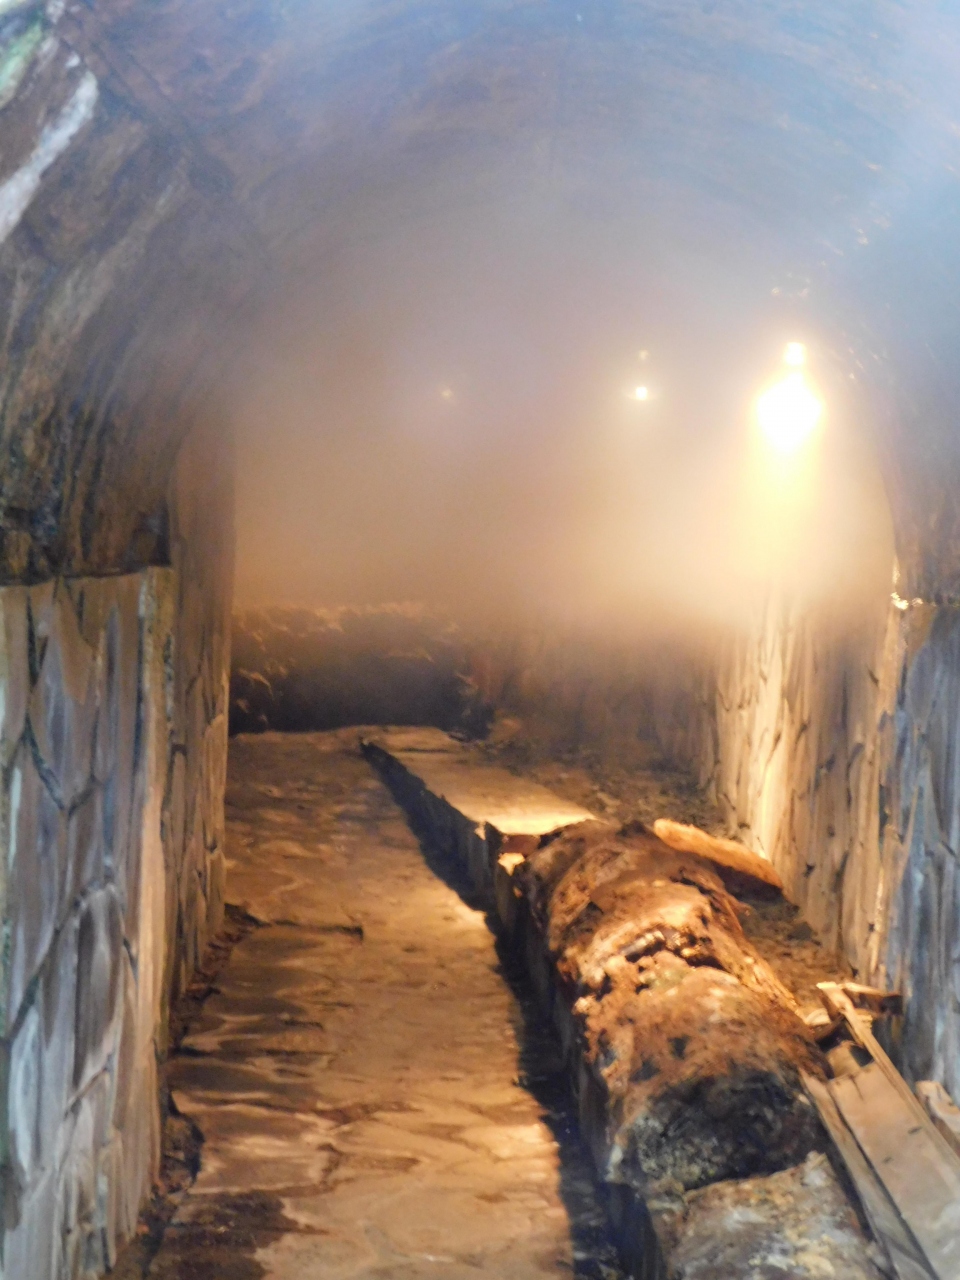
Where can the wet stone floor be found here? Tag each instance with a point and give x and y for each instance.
(373, 1090)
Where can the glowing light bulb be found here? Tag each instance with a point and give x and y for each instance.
(446, 393)
(795, 354)
(788, 413)
(641, 393)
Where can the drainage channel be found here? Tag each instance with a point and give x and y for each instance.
(717, 1169)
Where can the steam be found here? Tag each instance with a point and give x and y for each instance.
(447, 411)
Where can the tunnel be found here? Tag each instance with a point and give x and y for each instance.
(479, 639)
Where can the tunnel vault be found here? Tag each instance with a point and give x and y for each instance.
(166, 171)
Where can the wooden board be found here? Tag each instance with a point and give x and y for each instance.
(860, 1026)
(942, 1110)
(891, 1233)
(874, 999)
(724, 853)
(908, 1157)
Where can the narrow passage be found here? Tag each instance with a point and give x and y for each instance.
(372, 1100)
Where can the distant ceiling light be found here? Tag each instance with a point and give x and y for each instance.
(788, 413)
(641, 393)
(446, 393)
(643, 354)
(795, 354)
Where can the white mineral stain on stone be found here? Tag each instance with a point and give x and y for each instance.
(16, 788)
(25, 1067)
(19, 189)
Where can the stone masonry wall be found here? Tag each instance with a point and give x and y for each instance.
(201, 552)
(836, 754)
(120, 253)
(85, 746)
(572, 692)
(113, 730)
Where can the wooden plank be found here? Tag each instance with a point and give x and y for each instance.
(860, 1025)
(889, 1230)
(942, 1110)
(908, 1158)
(874, 999)
(822, 1025)
(725, 853)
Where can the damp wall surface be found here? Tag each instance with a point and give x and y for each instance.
(115, 579)
(201, 554)
(837, 756)
(113, 727)
(83, 912)
(110, 289)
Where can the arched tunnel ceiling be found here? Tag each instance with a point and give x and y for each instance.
(812, 148)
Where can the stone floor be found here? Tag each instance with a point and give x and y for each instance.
(374, 1093)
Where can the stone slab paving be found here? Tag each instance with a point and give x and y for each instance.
(482, 792)
(376, 1099)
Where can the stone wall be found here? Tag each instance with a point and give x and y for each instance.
(118, 250)
(85, 741)
(201, 553)
(835, 752)
(113, 287)
(307, 669)
(572, 691)
(113, 728)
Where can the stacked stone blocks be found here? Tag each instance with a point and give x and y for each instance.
(83, 750)
(109, 801)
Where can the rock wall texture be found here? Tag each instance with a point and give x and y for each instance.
(85, 751)
(572, 692)
(201, 555)
(300, 669)
(835, 753)
(113, 728)
(108, 279)
(115, 560)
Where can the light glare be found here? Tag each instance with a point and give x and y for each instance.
(641, 393)
(788, 414)
(795, 354)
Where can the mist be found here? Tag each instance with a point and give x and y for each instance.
(446, 411)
